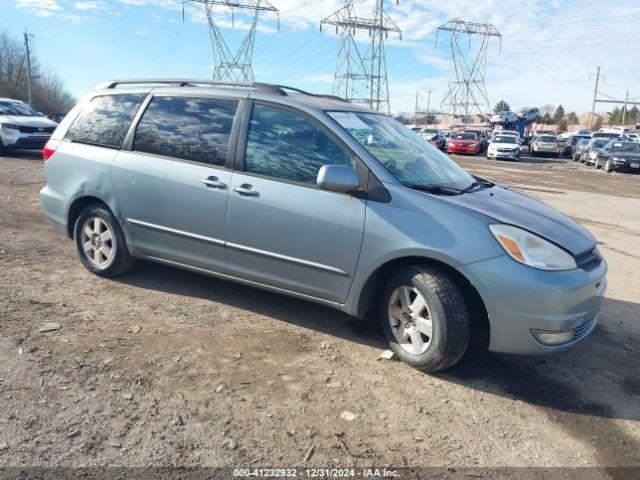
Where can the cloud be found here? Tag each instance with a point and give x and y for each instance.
(42, 8)
(90, 6)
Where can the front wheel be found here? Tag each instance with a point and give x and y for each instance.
(425, 318)
(608, 166)
(101, 243)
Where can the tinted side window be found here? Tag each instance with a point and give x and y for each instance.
(106, 119)
(195, 129)
(286, 145)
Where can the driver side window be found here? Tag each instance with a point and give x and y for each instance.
(283, 144)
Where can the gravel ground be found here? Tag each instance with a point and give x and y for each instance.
(163, 367)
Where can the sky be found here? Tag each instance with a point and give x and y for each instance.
(547, 53)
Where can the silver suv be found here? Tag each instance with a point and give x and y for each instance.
(311, 196)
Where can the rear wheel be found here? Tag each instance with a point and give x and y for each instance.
(608, 166)
(101, 243)
(425, 318)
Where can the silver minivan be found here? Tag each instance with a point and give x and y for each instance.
(311, 196)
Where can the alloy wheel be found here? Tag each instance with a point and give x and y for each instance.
(410, 319)
(97, 242)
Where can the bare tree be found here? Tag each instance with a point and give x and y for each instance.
(48, 93)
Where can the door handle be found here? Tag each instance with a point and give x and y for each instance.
(246, 189)
(214, 182)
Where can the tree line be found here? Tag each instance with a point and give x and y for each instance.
(47, 90)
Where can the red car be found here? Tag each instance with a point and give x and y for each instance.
(463, 143)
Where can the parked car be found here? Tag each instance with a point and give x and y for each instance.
(609, 135)
(590, 152)
(530, 114)
(22, 127)
(482, 137)
(545, 145)
(504, 117)
(463, 143)
(292, 192)
(435, 136)
(570, 143)
(504, 146)
(619, 156)
(578, 148)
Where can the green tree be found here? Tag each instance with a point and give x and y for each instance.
(546, 119)
(562, 125)
(501, 106)
(559, 115)
(572, 118)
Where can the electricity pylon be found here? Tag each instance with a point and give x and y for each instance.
(362, 78)
(227, 66)
(467, 94)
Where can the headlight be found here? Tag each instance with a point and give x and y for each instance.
(10, 126)
(593, 155)
(532, 250)
(617, 159)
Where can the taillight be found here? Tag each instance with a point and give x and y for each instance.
(49, 149)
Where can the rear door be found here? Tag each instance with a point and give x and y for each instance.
(283, 231)
(172, 184)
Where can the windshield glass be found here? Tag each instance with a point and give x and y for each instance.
(17, 109)
(599, 143)
(626, 147)
(548, 139)
(429, 135)
(404, 154)
(505, 139)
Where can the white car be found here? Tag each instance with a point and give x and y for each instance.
(504, 117)
(21, 127)
(504, 146)
(512, 133)
(530, 114)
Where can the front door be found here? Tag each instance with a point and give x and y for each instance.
(282, 230)
(172, 187)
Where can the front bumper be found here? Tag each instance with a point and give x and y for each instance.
(455, 150)
(498, 154)
(24, 141)
(519, 299)
(629, 165)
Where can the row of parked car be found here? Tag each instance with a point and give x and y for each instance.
(619, 153)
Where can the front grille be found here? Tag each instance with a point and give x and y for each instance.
(27, 129)
(584, 329)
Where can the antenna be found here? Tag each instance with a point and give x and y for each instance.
(227, 66)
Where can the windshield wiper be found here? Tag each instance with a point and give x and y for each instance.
(436, 189)
(479, 182)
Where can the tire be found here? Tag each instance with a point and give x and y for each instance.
(102, 246)
(445, 309)
(597, 164)
(608, 166)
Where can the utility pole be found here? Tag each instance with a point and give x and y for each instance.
(595, 94)
(428, 103)
(415, 111)
(27, 36)
(624, 109)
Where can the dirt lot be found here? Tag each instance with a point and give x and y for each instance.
(163, 367)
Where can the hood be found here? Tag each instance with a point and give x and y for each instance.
(462, 142)
(28, 121)
(513, 208)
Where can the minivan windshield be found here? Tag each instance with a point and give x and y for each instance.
(17, 109)
(402, 152)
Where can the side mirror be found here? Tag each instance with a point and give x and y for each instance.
(338, 178)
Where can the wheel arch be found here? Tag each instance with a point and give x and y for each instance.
(79, 204)
(374, 284)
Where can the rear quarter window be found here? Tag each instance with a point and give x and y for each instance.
(104, 121)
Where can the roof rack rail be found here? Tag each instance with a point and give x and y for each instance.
(190, 82)
(304, 92)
